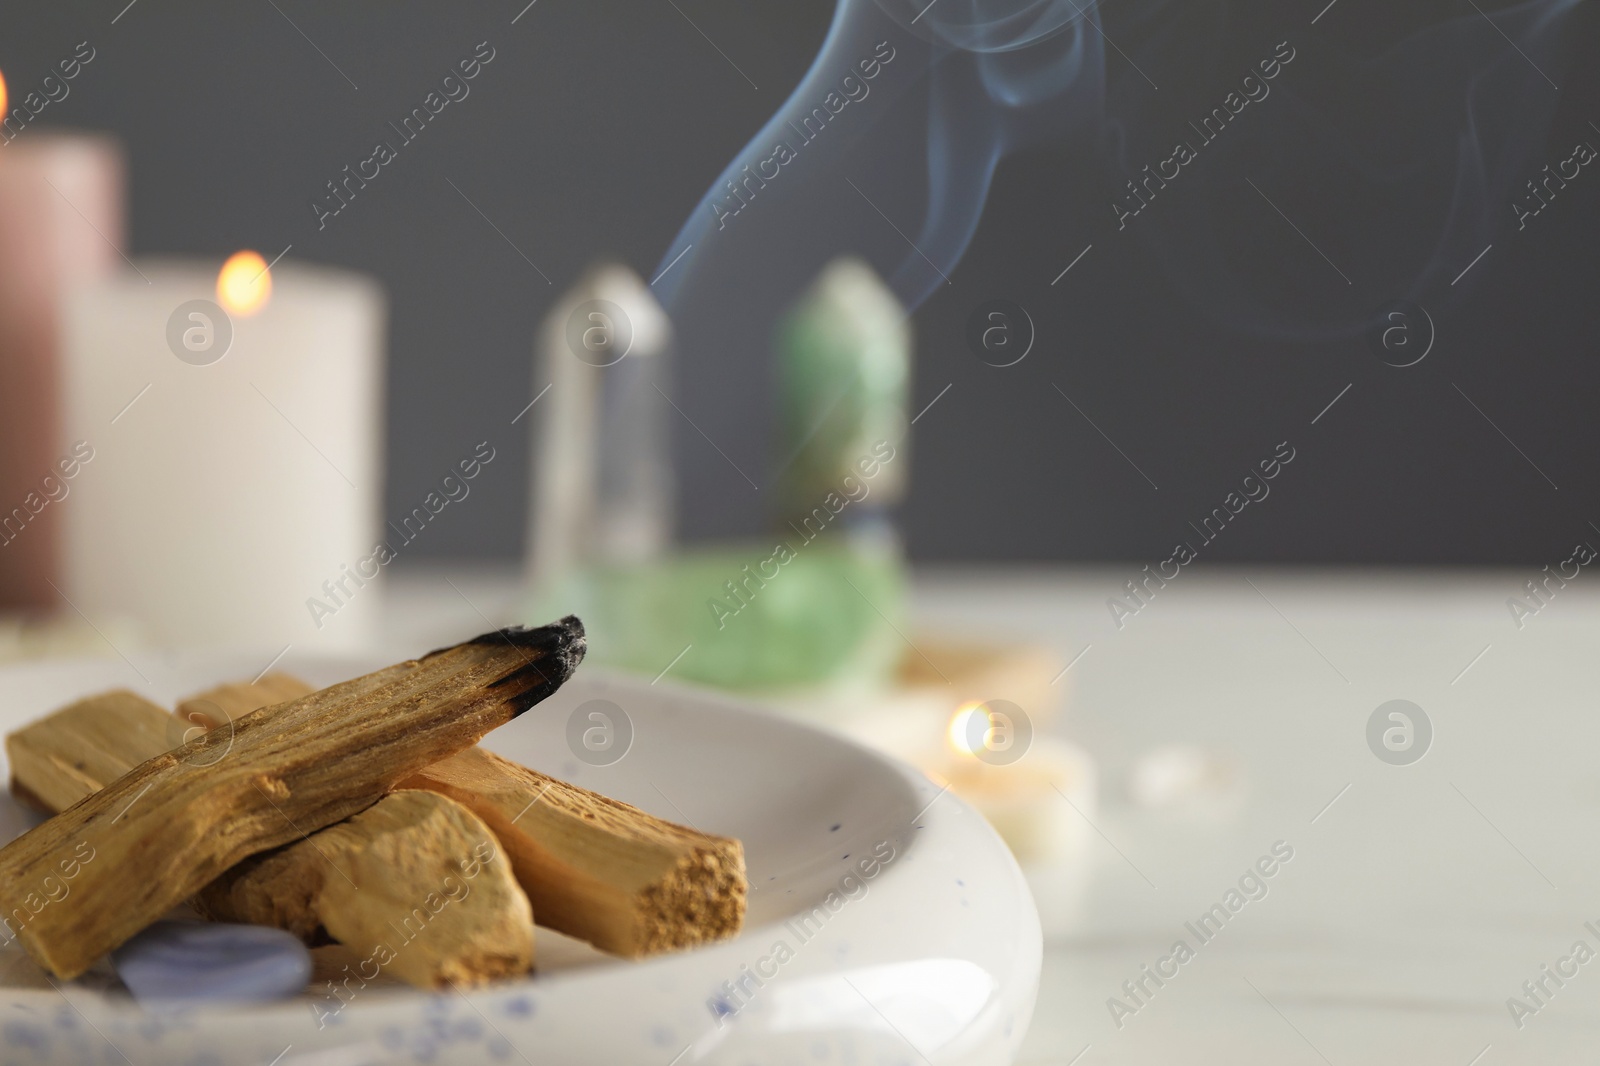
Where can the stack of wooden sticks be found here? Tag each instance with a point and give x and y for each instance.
(363, 814)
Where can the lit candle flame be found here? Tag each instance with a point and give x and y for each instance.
(959, 735)
(244, 283)
(4, 99)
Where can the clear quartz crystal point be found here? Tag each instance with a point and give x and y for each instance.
(601, 459)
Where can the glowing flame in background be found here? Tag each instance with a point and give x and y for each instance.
(4, 99)
(958, 734)
(244, 283)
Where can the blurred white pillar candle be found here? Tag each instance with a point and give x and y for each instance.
(229, 491)
(1039, 802)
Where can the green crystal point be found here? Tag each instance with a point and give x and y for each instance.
(844, 357)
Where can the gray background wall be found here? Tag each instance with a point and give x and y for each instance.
(1195, 344)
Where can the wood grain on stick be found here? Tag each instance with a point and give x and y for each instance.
(80, 749)
(172, 825)
(228, 703)
(595, 868)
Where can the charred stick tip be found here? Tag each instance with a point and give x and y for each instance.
(553, 653)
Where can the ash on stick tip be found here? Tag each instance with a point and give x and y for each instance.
(553, 654)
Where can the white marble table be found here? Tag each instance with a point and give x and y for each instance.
(1414, 905)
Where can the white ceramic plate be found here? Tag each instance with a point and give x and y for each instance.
(935, 958)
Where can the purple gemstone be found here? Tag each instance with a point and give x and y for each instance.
(212, 961)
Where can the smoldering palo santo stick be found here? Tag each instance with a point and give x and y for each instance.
(169, 827)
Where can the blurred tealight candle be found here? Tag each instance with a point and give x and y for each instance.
(1038, 792)
(235, 416)
(1186, 778)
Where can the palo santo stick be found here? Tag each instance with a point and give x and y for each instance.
(431, 879)
(595, 868)
(229, 703)
(58, 760)
(168, 828)
(414, 884)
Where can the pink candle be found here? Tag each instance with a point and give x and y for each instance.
(61, 215)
